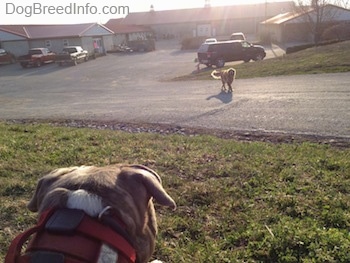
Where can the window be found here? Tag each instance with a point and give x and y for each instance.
(245, 44)
(48, 43)
(65, 42)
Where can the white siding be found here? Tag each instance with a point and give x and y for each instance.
(204, 30)
(87, 44)
(5, 36)
(96, 30)
(56, 44)
(17, 48)
(108, 42)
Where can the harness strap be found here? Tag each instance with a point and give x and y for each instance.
(89, 232)
(14, 250)
(81, 248)
(27, 258)
(99, 231)
(116, 226)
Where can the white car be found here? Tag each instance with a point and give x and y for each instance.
(72, 54)
(210, 40)
(237, 36)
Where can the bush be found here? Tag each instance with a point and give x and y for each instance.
(337, 32)
(294, 49)
(192, 42)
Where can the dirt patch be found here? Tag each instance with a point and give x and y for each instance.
(165, 129)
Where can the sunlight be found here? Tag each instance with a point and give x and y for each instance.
(184, 4)
(235, 2)
(95, 13)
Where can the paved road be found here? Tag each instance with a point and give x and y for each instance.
(133, 88)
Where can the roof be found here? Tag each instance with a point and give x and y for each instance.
(14, 29)
(334, 13)
(118, 27)
(281, 18)
(206, 14)
(50, 31)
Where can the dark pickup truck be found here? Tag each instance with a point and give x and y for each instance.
(37, 57)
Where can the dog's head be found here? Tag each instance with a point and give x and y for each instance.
(128, 189)
(231, 72)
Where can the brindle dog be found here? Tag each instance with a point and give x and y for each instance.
(227, 76)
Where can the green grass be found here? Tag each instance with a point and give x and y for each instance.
(323, 59)
(237, 201)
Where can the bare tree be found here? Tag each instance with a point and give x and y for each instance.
(317, 15)
(344, 3)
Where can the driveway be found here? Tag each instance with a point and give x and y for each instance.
(135, 88)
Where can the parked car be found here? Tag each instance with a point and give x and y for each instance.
(6, 57)
(210, 40)
(238, 36)
(37, 57)
(123, 48)
(143, 45)
(72, 55)
(235, 50)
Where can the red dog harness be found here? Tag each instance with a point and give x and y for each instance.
(71, 236)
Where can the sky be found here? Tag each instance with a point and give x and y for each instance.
(86, 11)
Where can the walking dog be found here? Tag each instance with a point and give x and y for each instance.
(93, 214)
(227, 76)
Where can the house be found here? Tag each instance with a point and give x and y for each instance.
(207, 21)
(125, 33)
(93, 37)
(294, 27)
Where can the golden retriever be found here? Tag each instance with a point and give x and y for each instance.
(127, 190)
(227, 76)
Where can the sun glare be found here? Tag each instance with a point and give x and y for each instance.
(183, 4)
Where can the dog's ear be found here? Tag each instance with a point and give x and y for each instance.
(153, 184)
(33, 203)
(43, 199)
(42, 189)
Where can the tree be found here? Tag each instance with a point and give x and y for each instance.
(337, 32)
(317, 15)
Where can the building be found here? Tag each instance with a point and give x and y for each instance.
(126, 33)
(294, 27)
(207, 21)
(93, 37)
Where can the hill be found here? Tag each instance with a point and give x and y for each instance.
(322, 59)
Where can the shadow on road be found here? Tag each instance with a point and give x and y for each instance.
(181, 52)
(223, 96)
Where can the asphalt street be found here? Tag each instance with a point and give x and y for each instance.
(136, 88)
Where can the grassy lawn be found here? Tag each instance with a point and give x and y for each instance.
(324, 59)
(237, 201)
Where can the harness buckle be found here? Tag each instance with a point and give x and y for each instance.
(103, 212)
(64, 220)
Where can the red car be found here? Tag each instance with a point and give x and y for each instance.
(6, 57)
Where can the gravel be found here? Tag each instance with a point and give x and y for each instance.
(164, 129)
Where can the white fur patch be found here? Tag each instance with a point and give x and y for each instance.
(92, 205)
(81, 199)
(107, 255)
